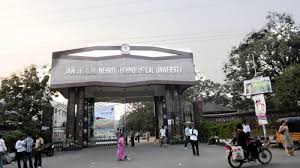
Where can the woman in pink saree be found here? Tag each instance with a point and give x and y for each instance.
(121, 144)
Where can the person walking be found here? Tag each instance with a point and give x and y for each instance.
(121, 145)
(126, 133)
(148, 136)
(28, 142)
(163, 137)
(39, 146)
(132, 138)
(187, 135)
(287, 139)
(3, 149)
(20, 152)
(194, 140)
(137, 135)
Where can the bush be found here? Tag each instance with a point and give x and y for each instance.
(11, 139)
(222, 130)
(207, 129)
(211, 141)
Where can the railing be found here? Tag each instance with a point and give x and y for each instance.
(59, 145)
(103, 141)
(96, 141)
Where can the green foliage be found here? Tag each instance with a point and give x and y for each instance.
(287, 88)
(211, 140)
(141, 117)
(1, 111)
(223, 130)
(209, 92)
(273, 48)
(11, 139)
(24, 97)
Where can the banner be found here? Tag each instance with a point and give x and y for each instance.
(104, 120)
(257, 86)
(260, 108)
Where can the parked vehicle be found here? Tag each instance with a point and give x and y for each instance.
(48, 150)
(236, 157)
(8, 158)
(294, 129)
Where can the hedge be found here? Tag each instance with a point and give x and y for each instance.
(222, 130)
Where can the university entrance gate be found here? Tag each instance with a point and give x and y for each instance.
(84, 79)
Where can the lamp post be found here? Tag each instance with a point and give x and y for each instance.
(125, 121)
(255, 75)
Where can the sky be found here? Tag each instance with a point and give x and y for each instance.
(31, 30)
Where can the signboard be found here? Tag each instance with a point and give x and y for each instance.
(124, 70)
(257, 86)
(260, 108)
(104, 120)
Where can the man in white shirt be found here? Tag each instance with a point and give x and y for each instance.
(187, 135)
(3, 149)
(163, 137)
(246, 128)
(20, 155)
(194, 140)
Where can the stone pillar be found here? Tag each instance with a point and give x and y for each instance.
(47, 124)
(70, 130)
(79, 115)
(164, 113)
(176, 112)
(170, 111)
(158, 114)
(156, 117)
(91, 113)
(88, 102)
(198, 112)
(179, 114)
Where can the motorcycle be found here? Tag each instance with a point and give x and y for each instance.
(263, 154)
(8, 158)
(48, 149)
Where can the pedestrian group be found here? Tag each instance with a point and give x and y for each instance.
(25, 150)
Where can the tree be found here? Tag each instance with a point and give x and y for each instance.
(287, 88)
(141, 117)
(1, 111)
(209, 92)
(273, 49)
(24, 96)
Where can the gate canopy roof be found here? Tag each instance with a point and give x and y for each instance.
(121, 74)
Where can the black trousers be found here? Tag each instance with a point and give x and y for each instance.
(20, 156)
(132, 141)
(37, 159)
(163, 140)
(28, 157)
(187, 140)
(126, 140)
(195, 146)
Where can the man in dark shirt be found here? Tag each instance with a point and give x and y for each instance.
(241, 137)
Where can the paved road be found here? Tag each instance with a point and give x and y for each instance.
(152, 156)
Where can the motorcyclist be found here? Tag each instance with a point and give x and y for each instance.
(241, 139)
